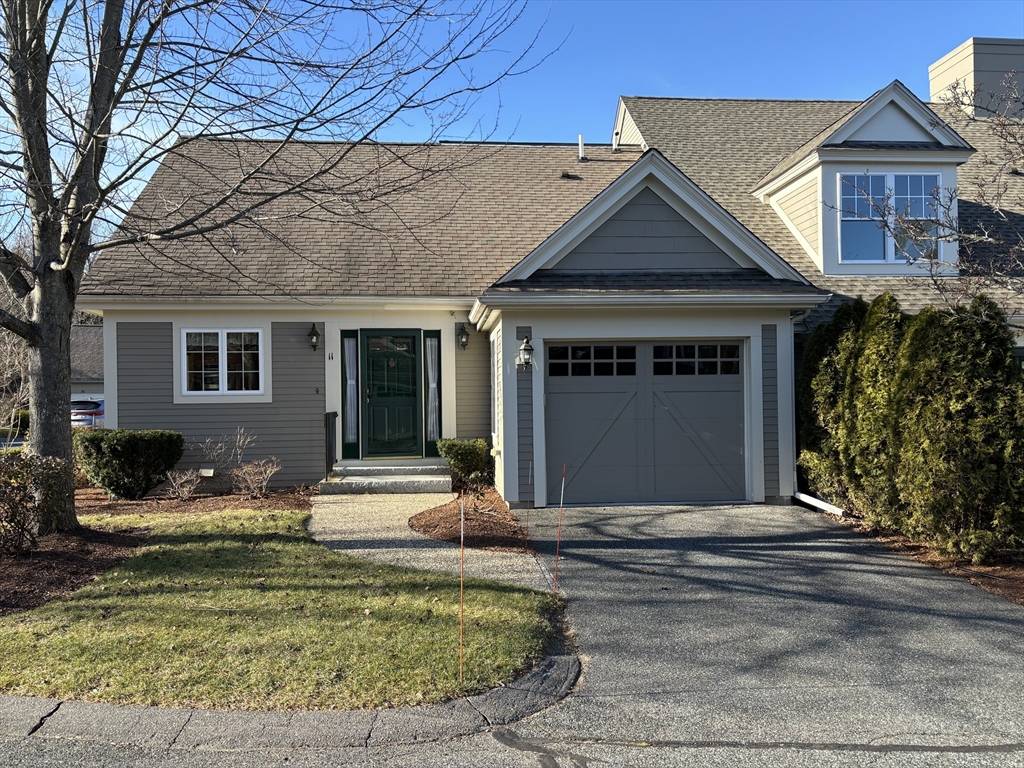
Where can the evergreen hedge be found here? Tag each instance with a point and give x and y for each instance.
(470, 460)
(127, 463)
(916, 423)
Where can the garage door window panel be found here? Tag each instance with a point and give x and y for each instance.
(596, 360)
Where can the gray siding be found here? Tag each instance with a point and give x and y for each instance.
(646, 233)
(524, 398)
(770, 404)
(801, 207)
(473, 387)
(290, 428)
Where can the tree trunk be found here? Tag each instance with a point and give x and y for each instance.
(49, 368)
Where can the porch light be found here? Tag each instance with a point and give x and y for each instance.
(524, 360)
(314, 337)
(462, 335)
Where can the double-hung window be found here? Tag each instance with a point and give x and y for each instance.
(888, 217)
(222, 361)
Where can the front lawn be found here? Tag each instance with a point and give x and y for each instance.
(241, 610)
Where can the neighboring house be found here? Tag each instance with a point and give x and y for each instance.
(87, 359)
(661, 283)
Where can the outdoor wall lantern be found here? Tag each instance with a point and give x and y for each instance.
(314, 337)
(524, 360)
(462, 335)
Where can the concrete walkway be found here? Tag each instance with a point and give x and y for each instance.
(377, 528)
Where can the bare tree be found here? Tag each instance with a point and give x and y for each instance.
(100, 91)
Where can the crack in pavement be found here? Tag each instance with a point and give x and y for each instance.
(511, 739)
(180, 731)
(44, 718)
(545, 755)
(477, 710)
(369, 731)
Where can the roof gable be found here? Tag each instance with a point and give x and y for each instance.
(691, 204)
(892, 118)
(894, 107)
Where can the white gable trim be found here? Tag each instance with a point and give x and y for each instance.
(689, 200)
(897, 93)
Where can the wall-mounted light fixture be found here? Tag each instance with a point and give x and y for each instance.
(462, 335)
(524, 360)
(314, 337)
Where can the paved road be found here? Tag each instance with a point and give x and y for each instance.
(752, 636)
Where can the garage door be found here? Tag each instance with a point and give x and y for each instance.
(645, 422)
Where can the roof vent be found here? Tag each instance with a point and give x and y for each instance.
(583, 154)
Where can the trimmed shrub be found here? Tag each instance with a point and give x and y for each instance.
(829, 357)
(22, 477)
(917, 424)
(470, 460)
(958, 400)
(128, 463)
(869, 441)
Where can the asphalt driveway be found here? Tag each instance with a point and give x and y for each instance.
(721, 636)
(774, 626)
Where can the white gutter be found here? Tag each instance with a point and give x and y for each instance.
(277, 302)
(824, 506)
(641, 300)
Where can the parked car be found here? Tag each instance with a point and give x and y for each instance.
(87, 411)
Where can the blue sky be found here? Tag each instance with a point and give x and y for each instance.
(810, 49)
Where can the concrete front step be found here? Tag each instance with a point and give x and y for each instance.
(389, 471)
(393, 483)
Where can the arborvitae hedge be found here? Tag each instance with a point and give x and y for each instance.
(916, 423)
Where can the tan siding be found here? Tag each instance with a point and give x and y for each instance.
(290, 428)
(473, 388)
(629, 133)
(646, 233)
(802, 208)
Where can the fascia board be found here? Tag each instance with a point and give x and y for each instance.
(610, 199)
(645, 300)
(270, 304)
(844, 154)
(897, 93)
(765, 191)
(620, 118)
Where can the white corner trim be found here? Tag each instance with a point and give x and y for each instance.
(110, 370)
(712, 220)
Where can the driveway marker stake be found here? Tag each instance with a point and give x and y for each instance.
(558, 541)
(462, 582)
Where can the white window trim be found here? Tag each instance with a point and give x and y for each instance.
(891, 257)
(183, 395)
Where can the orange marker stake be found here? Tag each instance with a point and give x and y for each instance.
(462, 584)
(558, 541)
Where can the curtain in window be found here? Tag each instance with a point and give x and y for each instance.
(433, 422)
(351, 434)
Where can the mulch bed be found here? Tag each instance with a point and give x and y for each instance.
(64, 562)
(489, 526)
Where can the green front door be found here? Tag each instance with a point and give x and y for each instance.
(391, 394)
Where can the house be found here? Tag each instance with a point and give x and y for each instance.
(86, 359)
(661, 282)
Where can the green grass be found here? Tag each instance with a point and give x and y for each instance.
(241, 610)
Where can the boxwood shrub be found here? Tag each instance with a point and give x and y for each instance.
(470, 460)
(128, 463)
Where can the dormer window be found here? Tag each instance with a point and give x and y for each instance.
(883, 216)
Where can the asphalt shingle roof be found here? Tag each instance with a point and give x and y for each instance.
(732, 281)
(388, 220)
(86, 353)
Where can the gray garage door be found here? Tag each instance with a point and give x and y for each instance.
(645, 422)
